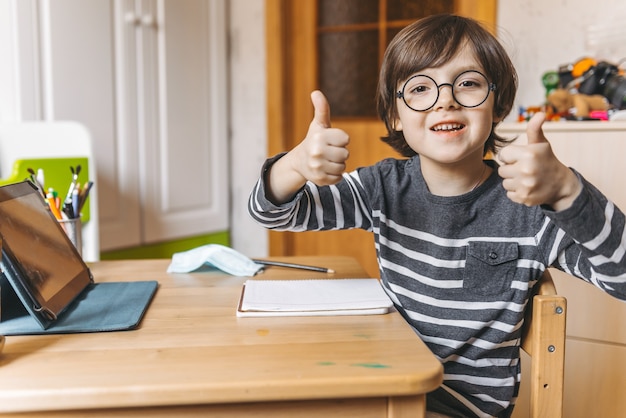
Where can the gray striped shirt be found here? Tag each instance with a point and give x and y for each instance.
(461, 269)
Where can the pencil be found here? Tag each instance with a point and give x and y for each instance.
(293, 266)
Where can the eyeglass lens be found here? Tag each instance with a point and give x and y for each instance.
(469, 89)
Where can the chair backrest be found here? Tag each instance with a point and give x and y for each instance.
(543, 339)
(54, 140)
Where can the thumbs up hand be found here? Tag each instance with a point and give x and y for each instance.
(532, 175)
(322, 154)
(320, 157)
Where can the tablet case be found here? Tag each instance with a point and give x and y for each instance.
(78, 304)
(115, 306)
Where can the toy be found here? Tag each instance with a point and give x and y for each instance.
(550, 81)
(578, 104)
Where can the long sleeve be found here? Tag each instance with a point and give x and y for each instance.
(461, 269)
(340, 206)
(592, 243)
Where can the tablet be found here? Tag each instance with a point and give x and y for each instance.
(38, 258)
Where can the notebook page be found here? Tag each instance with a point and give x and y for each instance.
(313, 295)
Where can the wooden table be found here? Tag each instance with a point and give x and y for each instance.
(193, 357)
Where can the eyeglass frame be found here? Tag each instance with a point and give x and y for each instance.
(400, 93)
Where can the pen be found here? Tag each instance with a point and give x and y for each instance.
(293, 266)
(84, 193)
(35, 181)
(40, 177)
(75, 173)
(75, 203)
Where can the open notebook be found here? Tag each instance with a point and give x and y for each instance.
(45, 285)
(315, 297)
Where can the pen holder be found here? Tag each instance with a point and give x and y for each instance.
(74, 230)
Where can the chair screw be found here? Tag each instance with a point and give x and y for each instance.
(559, 310)
(551, 348)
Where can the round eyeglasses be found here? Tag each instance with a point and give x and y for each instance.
(469, 89)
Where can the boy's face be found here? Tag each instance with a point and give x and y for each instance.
(448, 133)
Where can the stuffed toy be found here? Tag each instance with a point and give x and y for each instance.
(564, 102)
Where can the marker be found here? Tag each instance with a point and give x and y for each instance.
(293, 266)
(53, 207)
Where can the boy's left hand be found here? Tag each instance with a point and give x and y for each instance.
(533, 175)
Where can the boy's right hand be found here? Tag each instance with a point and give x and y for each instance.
(321, 156)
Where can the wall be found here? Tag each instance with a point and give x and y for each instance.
(7, 75)
(248, 130)
(541, 35)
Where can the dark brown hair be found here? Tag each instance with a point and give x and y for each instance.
(429, 43)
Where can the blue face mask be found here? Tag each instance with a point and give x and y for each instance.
(214, 255)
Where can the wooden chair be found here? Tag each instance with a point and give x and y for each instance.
(543, 339)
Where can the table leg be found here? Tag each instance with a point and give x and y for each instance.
(406, 406)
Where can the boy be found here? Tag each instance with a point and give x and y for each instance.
(460, 241)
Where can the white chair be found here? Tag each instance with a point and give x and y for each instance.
(63, 139)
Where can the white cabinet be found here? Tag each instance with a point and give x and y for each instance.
(595, 353)
(148, 79)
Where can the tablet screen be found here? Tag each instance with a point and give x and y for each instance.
(52, 270)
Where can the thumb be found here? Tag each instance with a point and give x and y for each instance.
(534, 130)
(322, 109)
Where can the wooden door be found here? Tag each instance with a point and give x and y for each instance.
(296, 31)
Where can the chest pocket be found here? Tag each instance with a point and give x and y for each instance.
(490, 267)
